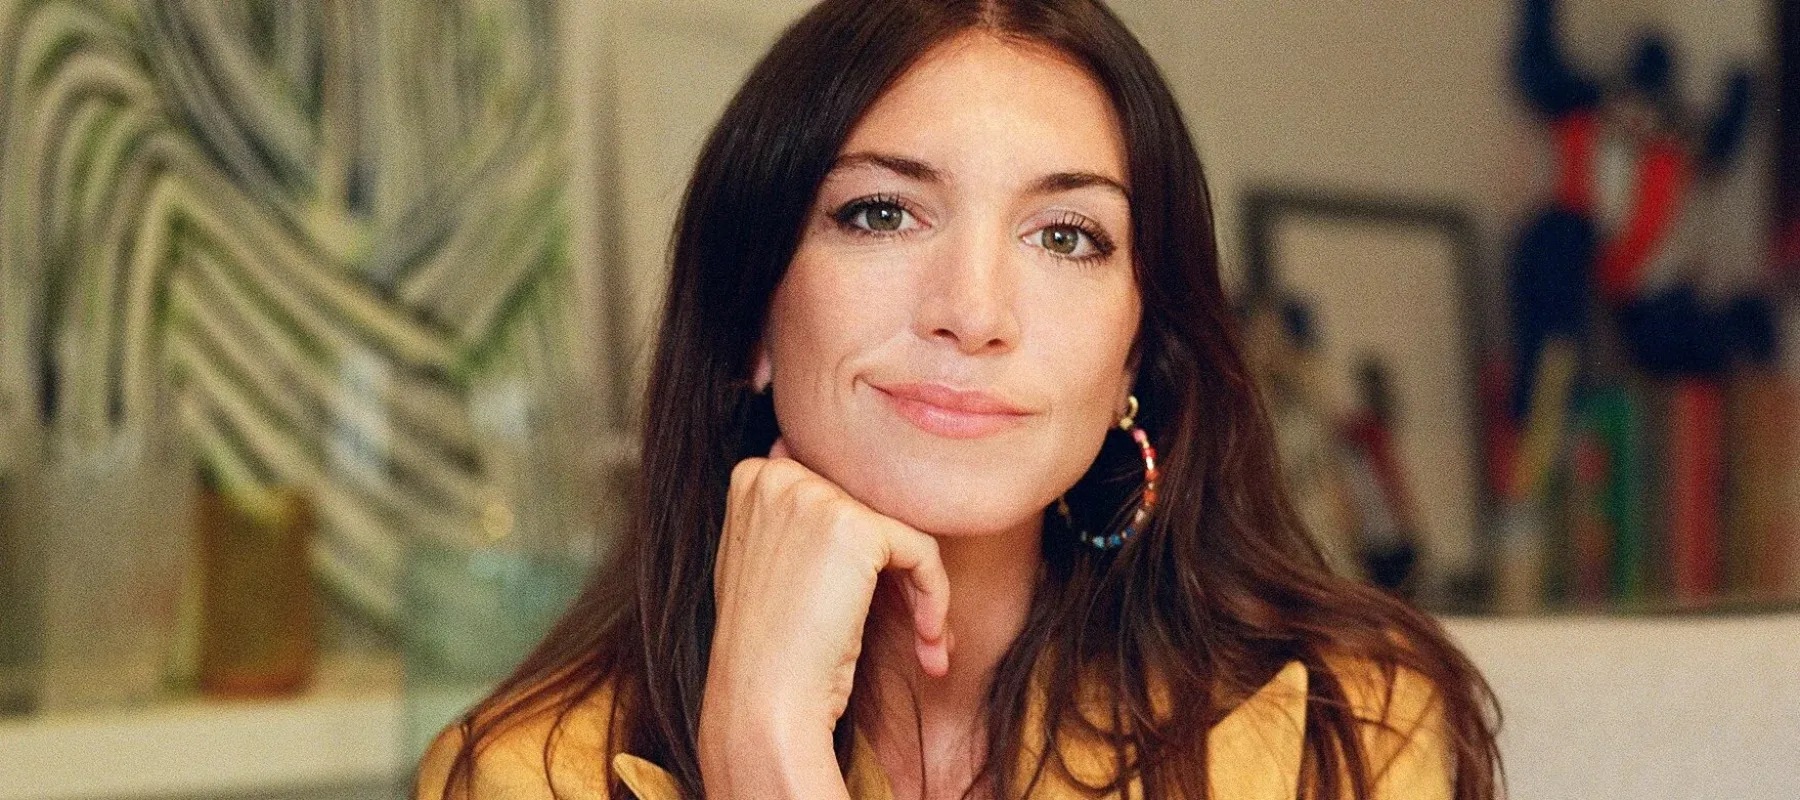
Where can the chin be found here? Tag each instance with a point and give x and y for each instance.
(946, 502)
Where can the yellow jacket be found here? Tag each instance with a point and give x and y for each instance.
(1254, 751)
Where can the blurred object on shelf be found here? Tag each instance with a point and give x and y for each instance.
(1519, 556)
(1762, 523)
(21, 582)
(1388, 524)
(1695, 455)
(478, 599)
(103, 525)
(1651, 427)
(1615, 462)
(1282, 347)
(1785, 260)
(257, 633)
(1343, 476)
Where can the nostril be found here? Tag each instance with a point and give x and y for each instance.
(970, 344)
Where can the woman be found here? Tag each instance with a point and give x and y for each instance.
(934, 251)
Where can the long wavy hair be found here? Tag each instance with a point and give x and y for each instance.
(1222, 589)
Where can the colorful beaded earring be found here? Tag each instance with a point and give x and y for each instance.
(1146, 503)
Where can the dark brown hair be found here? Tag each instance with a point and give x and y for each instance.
(1220, 591)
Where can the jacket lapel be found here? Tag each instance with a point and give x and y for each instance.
(1254, 751)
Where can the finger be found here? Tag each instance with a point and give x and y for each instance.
(927, 583)
(738, 509)
(779, 450)
(934, 657)
(743, 476)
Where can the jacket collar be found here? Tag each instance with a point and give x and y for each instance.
(1254, 753)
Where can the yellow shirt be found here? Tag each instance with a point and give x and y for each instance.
(1254, 751)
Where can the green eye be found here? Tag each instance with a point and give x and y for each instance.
(1073, 237)
(884, 218)
(880, 214)
(1061, 239)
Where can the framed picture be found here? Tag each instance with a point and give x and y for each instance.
(1391, 281)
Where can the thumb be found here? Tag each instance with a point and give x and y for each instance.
(780, 449)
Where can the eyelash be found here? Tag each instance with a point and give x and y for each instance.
(844, 216)
(1103, 244)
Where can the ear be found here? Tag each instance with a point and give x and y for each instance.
(1127, 383)
(1134, 358)
(764, 374)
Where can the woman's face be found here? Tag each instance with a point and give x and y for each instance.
(950, 342)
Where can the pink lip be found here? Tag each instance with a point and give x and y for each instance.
(951, 413)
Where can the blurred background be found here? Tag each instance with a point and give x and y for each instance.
(324, 327)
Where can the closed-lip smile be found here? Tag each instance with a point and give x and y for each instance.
(951, 413)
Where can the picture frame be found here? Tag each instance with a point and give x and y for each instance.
(1394, 279)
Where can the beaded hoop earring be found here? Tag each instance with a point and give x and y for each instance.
(1146, 503)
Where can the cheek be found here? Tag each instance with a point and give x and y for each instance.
(1086, 346)
(812, 319)
(824, 320)
(1085, 337)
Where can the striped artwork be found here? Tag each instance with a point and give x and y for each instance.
(331, 227)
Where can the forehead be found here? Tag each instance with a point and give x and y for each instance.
(978, 100)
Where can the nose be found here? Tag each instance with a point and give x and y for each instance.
(972, 296)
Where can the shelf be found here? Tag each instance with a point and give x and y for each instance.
(346, 731)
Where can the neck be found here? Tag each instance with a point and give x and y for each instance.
(992, 580)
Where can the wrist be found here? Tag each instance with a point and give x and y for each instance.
(748, 753)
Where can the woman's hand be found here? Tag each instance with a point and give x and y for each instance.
(797, 569)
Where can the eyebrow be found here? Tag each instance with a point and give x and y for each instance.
(1069, 181)
(901, 165)
(920, 171)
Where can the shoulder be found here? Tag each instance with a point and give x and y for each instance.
(1392, 705)
(1382, 692)
(1399, 714)
(1257, 750)
(528, 752)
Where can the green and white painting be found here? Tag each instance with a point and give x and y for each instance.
(326, 229)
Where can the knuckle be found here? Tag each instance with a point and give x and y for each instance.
(773, 479)
(745, 472)
(813, 492)
(784, 471)
(925, 545)
(933, 555)
(839, 534)
(847, 528)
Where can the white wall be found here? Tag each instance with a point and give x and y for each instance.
(1674, 708)
(677, 64)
